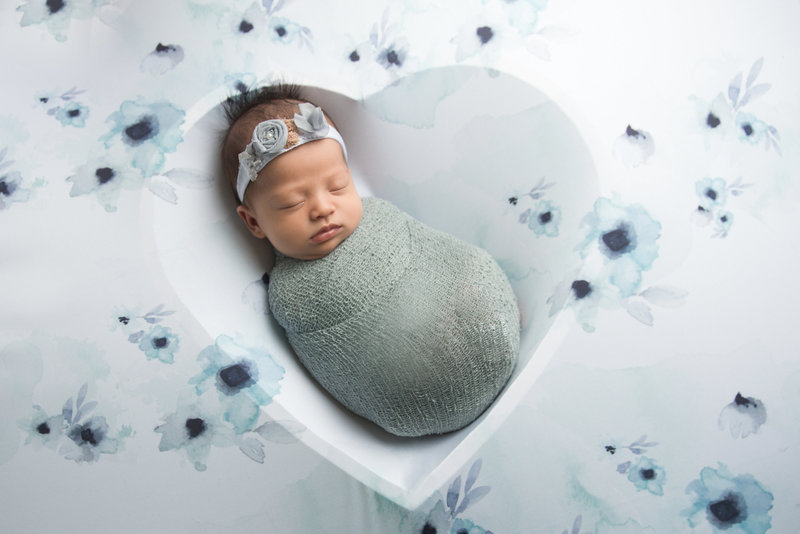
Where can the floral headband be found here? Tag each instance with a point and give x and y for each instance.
(273, 137)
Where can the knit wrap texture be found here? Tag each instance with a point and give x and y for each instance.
(404, 325)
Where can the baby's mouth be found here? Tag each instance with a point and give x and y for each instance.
(326, 232)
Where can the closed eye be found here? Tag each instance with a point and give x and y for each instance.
(290, 206)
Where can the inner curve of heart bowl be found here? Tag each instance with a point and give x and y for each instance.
(459, 148)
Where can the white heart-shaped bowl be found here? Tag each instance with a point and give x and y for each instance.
(465, 150)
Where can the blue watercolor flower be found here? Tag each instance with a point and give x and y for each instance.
(162, 59)
(282, 30)
(46, 100)
(105, 177)
(43, 429)
(194, 430)
(159, 344)
(750, 128)
(73, 114)
(394, 55)
(647, 475)
(11, 189)
(251, 22)
(482, 35)
(57, 14)
(88, 440)
(730, 503)
(724, 222)
(245, 378)
(626, 236)
(634, 147)
(544, 219)
(743, 416)
(586, 296)
(717, 115)
(123, 318)
(713, 193)
(149, 130)
(355, 51)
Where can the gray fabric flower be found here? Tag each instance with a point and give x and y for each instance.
(269, 139)
(311, 120)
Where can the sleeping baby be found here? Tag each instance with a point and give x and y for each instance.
(406, 326)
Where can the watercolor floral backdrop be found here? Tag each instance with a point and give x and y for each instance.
(670, 407)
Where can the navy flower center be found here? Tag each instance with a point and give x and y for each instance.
(630, 132)
(743, 401)
(104, 175)
(6, 188)
(393, 58)
(195, 426)
(281, 31)
(142, 130)
(43, 428)
(245, 26)
(712, 120)
(354, 56)
(87, 436)
(723, 219)
(748, 129)
(647, 474)
(729, 510)
(619, 240)
(581, 288)
(545, 217)
(74, 113)
(462, 531)
(241, 87)
(54, 6)
(610, 449)
(164, 49)
(428, 529)
(235, 377)
(485, 34)
(513, 200)
(123, 319)
(160, 342)
(710, 193)
(44, 100)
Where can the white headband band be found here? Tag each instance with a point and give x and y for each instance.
(271, 139)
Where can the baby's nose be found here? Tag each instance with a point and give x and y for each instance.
(321, 206)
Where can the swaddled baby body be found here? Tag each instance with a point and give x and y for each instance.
(406, 326)
(409, 327)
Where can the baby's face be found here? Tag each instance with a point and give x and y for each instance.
(304, 201)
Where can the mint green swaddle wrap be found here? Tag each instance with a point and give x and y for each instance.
(406, 326)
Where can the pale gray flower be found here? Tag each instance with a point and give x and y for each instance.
(269, 138)
(743, 416)
(311, 120)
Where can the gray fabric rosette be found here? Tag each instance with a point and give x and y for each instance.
(406, 326)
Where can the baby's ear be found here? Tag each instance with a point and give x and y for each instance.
(250, 221)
